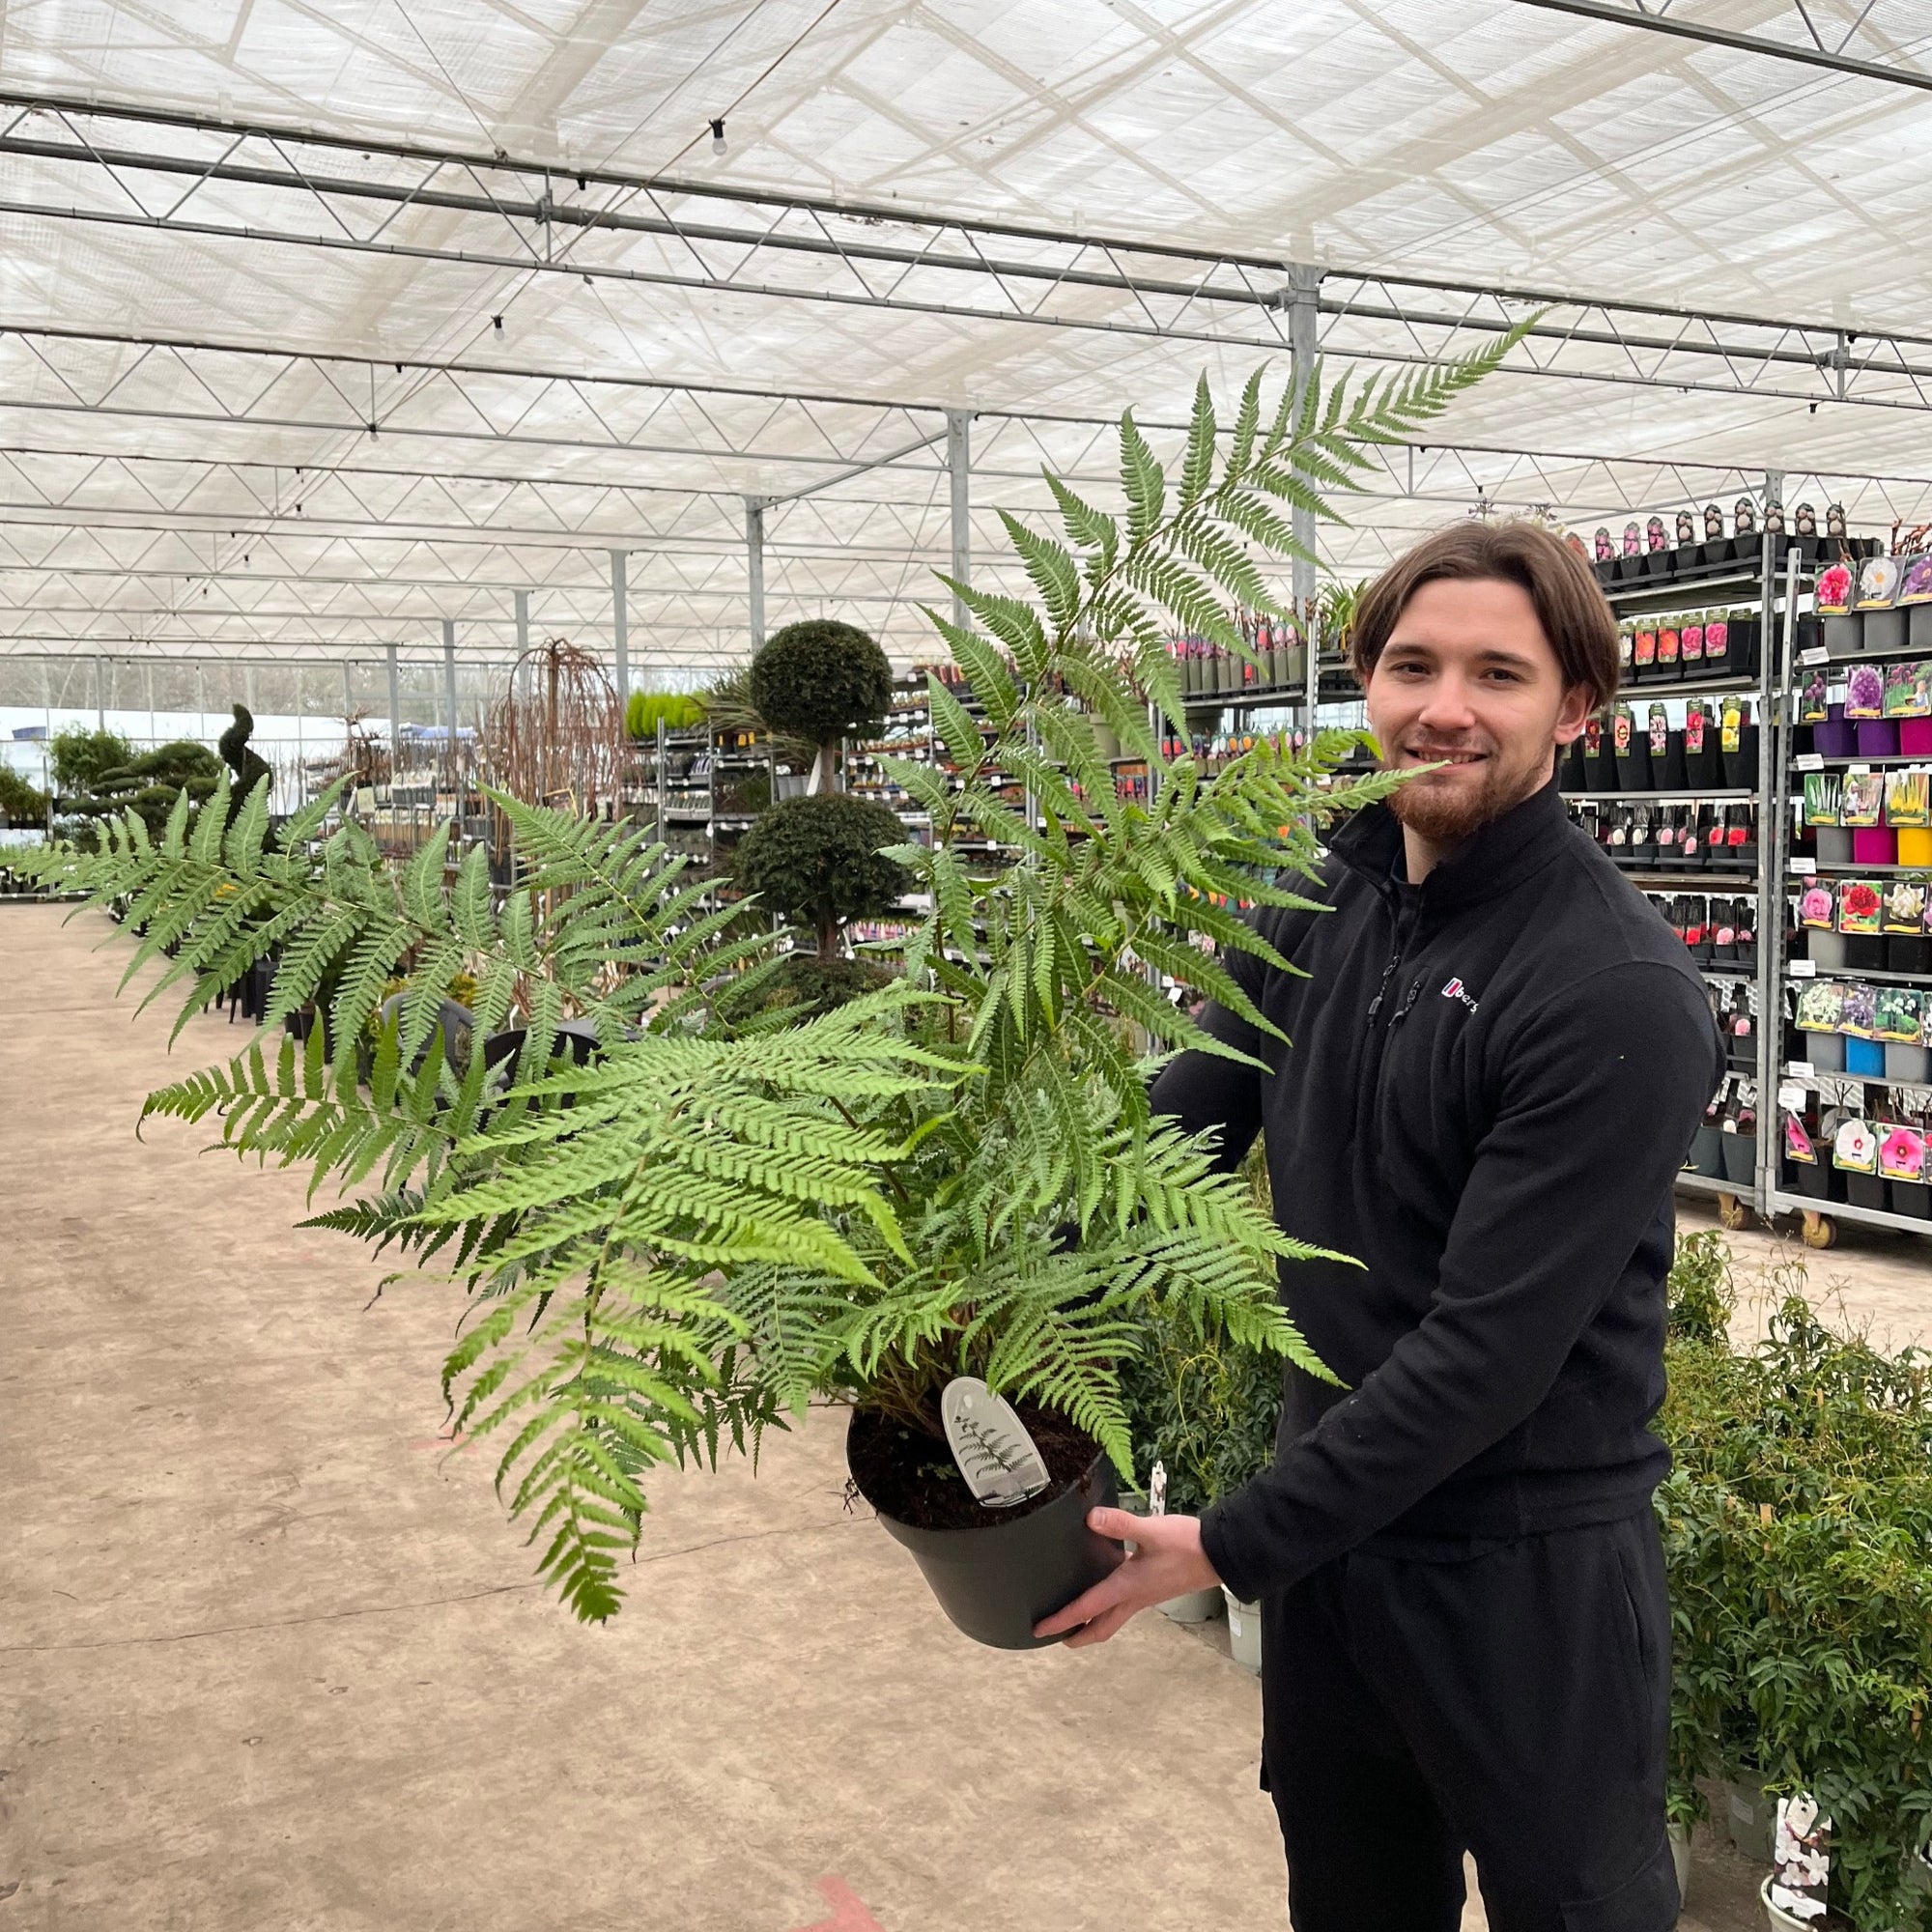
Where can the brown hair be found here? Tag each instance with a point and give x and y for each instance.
(1568, 604)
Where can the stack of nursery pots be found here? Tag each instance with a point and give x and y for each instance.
(1798, 1533)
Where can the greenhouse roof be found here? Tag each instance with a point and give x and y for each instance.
(322, 326)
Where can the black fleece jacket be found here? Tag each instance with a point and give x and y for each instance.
(1492, 1079)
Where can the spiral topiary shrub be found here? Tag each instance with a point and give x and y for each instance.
(821, 680)
(819, 860)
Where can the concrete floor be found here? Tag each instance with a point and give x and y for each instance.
(271, 1657)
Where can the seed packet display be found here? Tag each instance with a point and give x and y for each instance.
(1908, 796)
(1859, 1014)
(1905, 907)
(1623, 727)
(1855, 1147)
(1798, 1143)
(1824, 797)
(1878, 582)
(1914, 580)
(1690, 645)
(1735, 715)
(1862, 800)
(1860, 906)
(1626, 649)
(1821, 1005)
(1643, 650)
(1908, 688)
(1669, 647)
(1716, 640)
(1814, 700)
(1658, 724)
(1864, 691)
(1836, 586)
(1818, 909)
(1900, 1014)
(1901, 1153)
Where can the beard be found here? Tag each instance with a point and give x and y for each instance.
(1447, 814)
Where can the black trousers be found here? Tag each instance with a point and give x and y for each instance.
(1512, 1700)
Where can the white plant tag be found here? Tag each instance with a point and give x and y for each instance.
(1801, 1858)
(990, 1444)
(1158, 1489)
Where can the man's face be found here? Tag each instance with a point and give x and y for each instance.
(1467, 679)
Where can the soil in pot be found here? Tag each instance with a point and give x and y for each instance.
(996, 1573)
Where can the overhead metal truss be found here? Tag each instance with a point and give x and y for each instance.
(214, 179)
(1812, 38)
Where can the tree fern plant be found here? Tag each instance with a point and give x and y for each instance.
(728, 1213)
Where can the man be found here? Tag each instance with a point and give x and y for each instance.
(1500, 1054)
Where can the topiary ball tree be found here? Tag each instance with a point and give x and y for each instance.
(819, 860)
(821, 680)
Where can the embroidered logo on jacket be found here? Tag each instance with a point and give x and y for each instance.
(1456, 990)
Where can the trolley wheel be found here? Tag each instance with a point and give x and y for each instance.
(1820, 1230)
(1732, 1211)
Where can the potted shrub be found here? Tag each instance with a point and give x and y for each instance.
(721, 1218)
(1203, 1406)
(1797, 1526)
(823, 681)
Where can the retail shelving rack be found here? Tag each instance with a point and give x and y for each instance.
(1687, 580)
(1795, 1074)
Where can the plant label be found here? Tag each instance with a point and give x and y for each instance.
(990, 1443)
(1801, 1858)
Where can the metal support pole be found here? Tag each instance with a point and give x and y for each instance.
(523, 601)
(959, 467)
(1303, 321)
(395, 721)
(449, 694)
(662, 733)
(754, 567)
(348, 700)
(620, 628)
(100, 694)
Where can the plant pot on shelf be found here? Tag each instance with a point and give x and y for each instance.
(1845, 636)
(996, 1579)
(1827, 1051)
(1919, 627)
(1864, 952)
(1670, 773)
(1903, 1061)
(1908, 951)
(1813, 1179)
(1707, 1152)
(1776, 1915)
(1886, 630)
(1833, 736)
(1834, 844)
(1244, 1632)
(1741, 765)
(1910, 1197)
(1867, 1191)
(1914, 734)
(1825, 949)
(1874, 845)
(1864, 1058)
(1740, 1152)
(1633, 769)
(1877, 737)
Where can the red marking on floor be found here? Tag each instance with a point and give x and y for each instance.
(848, 1910)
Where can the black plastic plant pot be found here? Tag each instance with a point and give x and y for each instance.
(1865, 1190)
(1907, 952)
(1910, 1197)
(1810, 1178)
(1740, 1152)
(1670, 773)
(1707, 1152)
(998, 1581)
(1741, 766)
(1633, 769)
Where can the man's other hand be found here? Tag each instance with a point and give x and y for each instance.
(1166, 1561)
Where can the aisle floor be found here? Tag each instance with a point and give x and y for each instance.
(271, 1657)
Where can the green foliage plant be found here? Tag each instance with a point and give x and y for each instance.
(821, 680)
(1798, 1537)
(149, 785)
(22, 802)
(675, 710)
(80, 757)
(728, 1213)
(822, 861)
